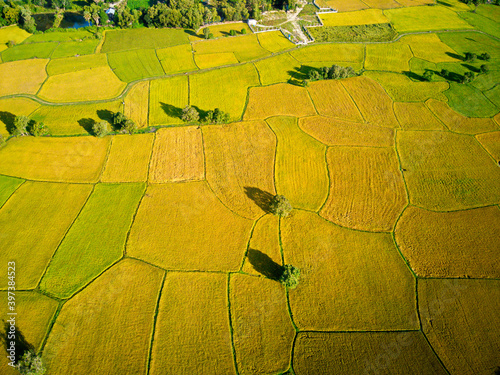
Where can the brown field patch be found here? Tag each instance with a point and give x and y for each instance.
(177, 155)
(416, 116)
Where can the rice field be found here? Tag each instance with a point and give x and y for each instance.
(382, 4)
(74, 64)
(360, 17)
(14, 107)
(346, 5)
(137, 104)
(274, 41)
(178, 59)
(13, 33)
(277, 69)
(68, 49)
(471, 102)
(221, 30)
(245, 47)
(128, 39)
(393, 57)
(211, 60)
(135, 65)
(11, 71)
(416, 116)
(429, 47)
(167, 98)
(491, 142)
(330, 52)
(8, 185)
(28, 51)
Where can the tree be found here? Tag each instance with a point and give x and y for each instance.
(30, 364)
(129, 126)
(243, 31)
(290, 276)
(484, 69)
(38, 129)
(20, 125)
(58, 18)
(428, 75)
(444, 73)
(232, 32)
(101, 129)
(65, 4)
(206, 32)
(217, 117)
(484, 56)
(87, 16)
(2, 140)
(467, 77)
(190, 114)
(280, 206)
(118, 119)
(470, 57)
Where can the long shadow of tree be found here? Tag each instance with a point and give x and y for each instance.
(264, 265)
(21, 344)
(8, 119)
(262, 198)
(171, 111)
(87, 124)
(455, 56)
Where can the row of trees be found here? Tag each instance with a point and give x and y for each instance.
(120, 122)
(191, 114)
(329, 72)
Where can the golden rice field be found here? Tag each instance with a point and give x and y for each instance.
(158, 252)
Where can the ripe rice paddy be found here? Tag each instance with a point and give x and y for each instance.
(136, 64)
(361, 17)
(11, 71)
(274, 41)
(137, 103)
(167, 97)
(176, 59)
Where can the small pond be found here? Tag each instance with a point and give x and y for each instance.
(45, 21)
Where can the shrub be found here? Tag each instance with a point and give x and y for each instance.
(243, 31)
(217, 117)
(484, 56)
(467, 77)
(21, 125)
(280, 206)
(210, 36)
(101, 129)
(484, 68)
(332, 72)
(444, 73)
(30, 364)
(38, 129)
(11, 43)
(290, 276)
(129, 126)
(469, 56)
(190, 114)
(118, 120)
(232, 32)
(206, 33)
(428, 75)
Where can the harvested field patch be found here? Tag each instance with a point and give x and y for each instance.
(301, 172)
(239, 160)
(176, 216)
(221, 30)
(230, 92)
(274, 41)
(346, 5)
(177, 59)
(416, 116)
(471, 102)
(211, 60)
(460, 319)
(74, 64)
(167, 97)
(245, 47)
(28, 51)
(451, 244)
(332, 99)
(264, 243)
(122, 40)
(425, 18)
(67, 49)
(277, 69)
(32, 224)
(280, 99)
(9, 108)
(392, 57)
(471, 42)
(136, 64)
(54, 159)
(92, 245)
(330, 52)
(10, 72)
(116, 306)
(81, 86)
(137, 103)
(128, 158)
(372, 101)
(491, 142)
(446, 171)
(430, 48)
(361, 17)
(350, 280)
(262, 330)
(14, 33)
(193, 313)
(382, 4)
(8, 185)
(177, 155)
(459, 123)
(364, 352)
(367, 190)
(75, 119)
(403, 89)
(333, 132)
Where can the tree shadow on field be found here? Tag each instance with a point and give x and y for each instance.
(171, 110)
(21, 345)
(192, 33)
(105, 114)
(8, 119)
(471, 68)
(87, 124)
(261, 198)
(415, 76)
(455, 56)
(301, 72)
(443, 3)
(264, 265)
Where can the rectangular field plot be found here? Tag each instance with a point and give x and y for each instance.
(137, 103)
(118, 305)
(67, 49)
(330, 52)
(8, 185)
(301, 173)
(121, 40)
(134, 65)
(75, 119)
(346, 5)
(10, 72)
(14, 33)
(330, 98)
(350, 280)
(446, 171)
(81, 86)
(128, 158)
(263, 332)
(72, 159)
(457, 244)
(361, 17)
(482, 23)
(28, 51)
(177, 155)
(430, 48)
(210, 60)
(393, 57)
(240, 159)
(274, 41)
(277, 69)
(230, 92)
(472, 42)
(365, 353)
(12, 107)
(193, 314)
(167, 98)
(281, 99)
(222, 30)
(416, 116)
(491, 142)
(471, 102)
(460, 319)
(425, 18)
(74, 64)
(176, 59)
(92, 245)
(62, 35)
(245, 47)
(34, 220)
